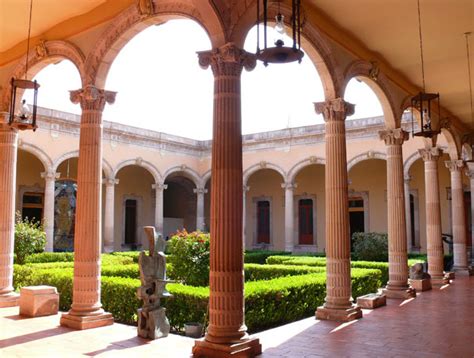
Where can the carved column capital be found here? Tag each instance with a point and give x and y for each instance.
(50, 175)
(227, 60)
(200, 191)
(92, 98)
(334, 109)
(159, 186)
(430, 154)
(289, 186)
(454, 165)
(393, 136)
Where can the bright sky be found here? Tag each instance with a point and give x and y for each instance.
(161, 87)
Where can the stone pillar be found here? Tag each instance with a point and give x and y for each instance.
(459, 220)
(397, 286)
(246, 188)
(48, 222)
(470, 174)
(109, 219)
(289, 216)
(406, 187)
(434, 240)
(159, 188)
(8, 156)
(226, 334)
(338, 304)
(200, 223)
(86, 310)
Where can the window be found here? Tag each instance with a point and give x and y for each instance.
(130, 222)
(305, 221)
(32, 207)
(356, 215)
(263, 222)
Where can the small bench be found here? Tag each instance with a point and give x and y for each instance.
(371, 301)
(38, 301)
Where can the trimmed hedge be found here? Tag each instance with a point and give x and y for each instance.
(255, 272)
(260, 256)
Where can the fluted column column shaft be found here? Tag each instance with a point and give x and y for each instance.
(159, 219)
(470, 174)
(8, 158)
(408, 213)
(433, 213)
(109, 219)
(48, 222)
(397, 239)
(226, 298)
(458, 215)
(200, 224)
(246, 188)
(289, 215)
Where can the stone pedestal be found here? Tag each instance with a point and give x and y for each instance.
(421, 285)
(226, 334)
(371, 301)
(438, 282)
(338, 304)
(38, 301)
(86, 309)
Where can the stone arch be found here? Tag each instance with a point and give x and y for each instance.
(46, 53)
(263, 165)
(293, 172)
(38, 153)
(57, 162)
(315, 46)
(107, 169)
(412, 159)
(141, 163)
(379, 84)
(365, 156)
(206, 177)
(454, 147)
(130, 22)
(187, 173)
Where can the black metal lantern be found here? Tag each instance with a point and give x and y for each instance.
(279, 53)
(424, 103)
(23, 117)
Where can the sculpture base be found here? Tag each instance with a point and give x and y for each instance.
(463, 271)
(86, 322)
(247, 348)
(399, 294)
(421, 285)
(371, 301)
(339, 315)
(9, 300)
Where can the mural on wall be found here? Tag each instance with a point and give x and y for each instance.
(64, 215)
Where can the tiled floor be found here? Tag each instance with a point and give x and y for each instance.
(438, 323)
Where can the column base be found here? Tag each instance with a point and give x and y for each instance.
(463, 271)
(421, 285)
(86, 322)
(9, 300)
(339, 315)
(403, 294)
(248, 348)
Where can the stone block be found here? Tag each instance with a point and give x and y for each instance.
(86, 322)
(421, 285)
(372, 300)
(339, 315)
(38, 301)
(402, 294)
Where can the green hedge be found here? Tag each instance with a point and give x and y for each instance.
(259, 256)
(255, 272)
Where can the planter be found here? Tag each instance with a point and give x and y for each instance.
(193, 329)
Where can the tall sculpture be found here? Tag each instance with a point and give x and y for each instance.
(152, 321)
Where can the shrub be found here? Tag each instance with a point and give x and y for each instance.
(50, 257)
(370, 246)
(255, 272)
(259, 256)
(133, 254)
(30, 238)
(126, 271)
(189, 258)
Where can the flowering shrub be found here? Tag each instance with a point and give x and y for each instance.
(189, 258)
(30, 238)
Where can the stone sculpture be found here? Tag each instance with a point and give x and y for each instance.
(152, 321)
(417, 273)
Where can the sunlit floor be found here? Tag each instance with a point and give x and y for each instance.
(438, 323)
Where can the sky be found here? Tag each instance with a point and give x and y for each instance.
(161, 87)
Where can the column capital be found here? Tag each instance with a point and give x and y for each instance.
(430, 154)
(289, 186)
(454, 165)
(50, 175)
(200, 191)
(334, 109)
(159, 186)
(393, 136)
(227, 60)
(92, 98)
(110, 181)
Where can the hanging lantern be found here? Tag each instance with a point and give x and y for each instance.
(23, 117)
(279, 53)
(424, 103)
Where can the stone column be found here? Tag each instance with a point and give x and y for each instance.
(407, 180)
(434, 241)
(246, 188)
(470, 174)
(289, 216)
(397, 286)
(200, 223)
(109, 219)
(48, 222)
(459, 220)
(159, 188)
(226, 334)
(8, 156)
(86, 310)
(338, 304)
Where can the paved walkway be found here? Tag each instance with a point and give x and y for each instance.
(438, 323)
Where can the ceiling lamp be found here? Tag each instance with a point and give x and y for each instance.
(279, 53)
(424, 103)
(24, 117)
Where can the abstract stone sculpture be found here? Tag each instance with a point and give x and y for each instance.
(417, 273)
(152, 321)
